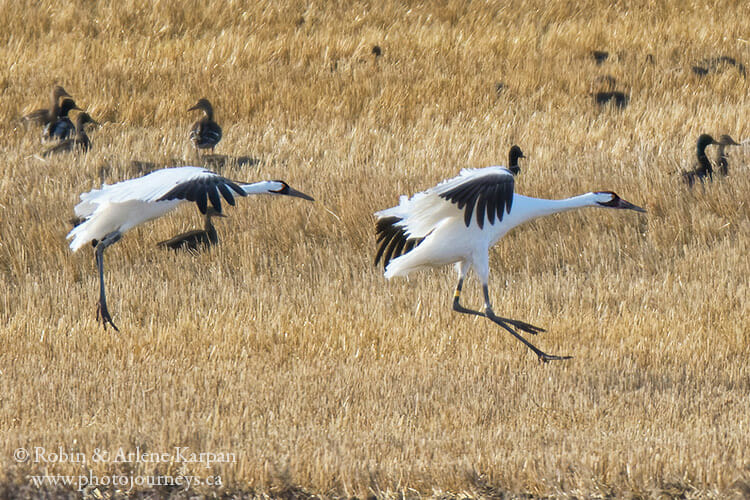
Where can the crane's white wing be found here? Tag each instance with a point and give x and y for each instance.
(486, 192)
(179, 183)
(122, 206)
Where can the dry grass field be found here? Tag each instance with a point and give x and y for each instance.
(286, 348)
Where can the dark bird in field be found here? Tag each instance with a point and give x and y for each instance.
(703, 169)
(198, 238)
(702, 68)
(514, 155)
(108, 213)
(377, 51)
(46, 115)
(618, 98)
(599, 56)
(79, 142)
(458, 221)
(723, 161)
(61, 128)
(205, 132)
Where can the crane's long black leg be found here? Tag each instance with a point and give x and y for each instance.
(521, 325)
(456, 297)
(543, 356)
(102, 312)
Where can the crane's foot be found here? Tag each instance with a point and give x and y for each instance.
(103, 314)
(521, 325)
(508, 324)
(544, 357)
(465, 310)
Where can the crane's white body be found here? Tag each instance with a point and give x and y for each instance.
(448, 240)
(122, 206)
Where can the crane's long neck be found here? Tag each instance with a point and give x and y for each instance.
(262, 187)
(526, 208)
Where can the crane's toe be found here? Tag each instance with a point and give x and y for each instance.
(522, 325)
(544, 357)
(102, 313)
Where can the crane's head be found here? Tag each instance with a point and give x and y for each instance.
(609, 199)
(513, 156)
(281, 187)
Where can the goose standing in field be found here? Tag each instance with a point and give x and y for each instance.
(703, 169)
(194, 240)
(61, 128)
(113, 210)
(514, 155)
(205, 132)
(457, 221)
(723, 162)
(47, 115)
(80, 142)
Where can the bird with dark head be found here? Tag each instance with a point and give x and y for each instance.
(61, 128)
(723, 161)
(205, 132)
(458, 221)
(79, 142)
(514, 155)
(703, 169)
(47, 115)
(198, 238)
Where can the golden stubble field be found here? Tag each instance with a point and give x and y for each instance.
(285, 347)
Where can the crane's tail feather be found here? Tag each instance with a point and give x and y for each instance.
(392, 240)
(80, 235)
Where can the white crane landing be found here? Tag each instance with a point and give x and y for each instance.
(111, 211)
(457, 221)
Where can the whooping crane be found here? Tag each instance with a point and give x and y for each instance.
(79, 142)
(703, 169)
(61, 128)
(193, 240)
(457, 221)
(113, 210)
(205, 133)
(724, 141)
(46, 115)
